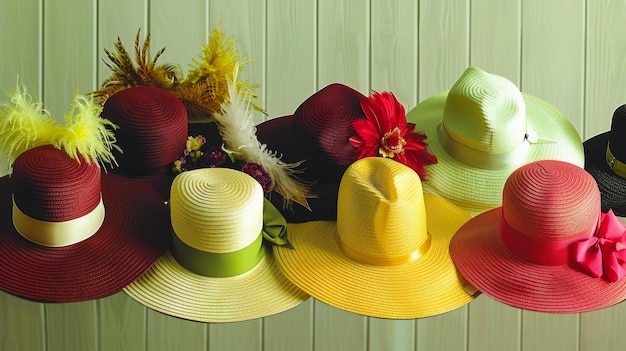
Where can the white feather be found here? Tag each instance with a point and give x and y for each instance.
(236, 125)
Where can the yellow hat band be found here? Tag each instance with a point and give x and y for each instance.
(382, 261)
(617, 166)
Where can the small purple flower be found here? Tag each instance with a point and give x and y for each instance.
(257, 172)
(213, 157)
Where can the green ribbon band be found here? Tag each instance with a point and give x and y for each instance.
(230, 264)
(211, 264)
(618, 167)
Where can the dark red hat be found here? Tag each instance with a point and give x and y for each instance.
(152, 132)
(318, 132)
(68, 233)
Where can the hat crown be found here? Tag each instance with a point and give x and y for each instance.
(50, 186)
(324, 123)
(381, 212)
(485, 111)
(153, 126)
(616, 134)
(552, 200)
(216, 210)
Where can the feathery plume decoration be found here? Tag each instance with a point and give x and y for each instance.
(144, 71)
(24, 124)
(238, 132)
(86, 134)
(205, 87)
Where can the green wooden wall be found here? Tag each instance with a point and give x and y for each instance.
(571, 53)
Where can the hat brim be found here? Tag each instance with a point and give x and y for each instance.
(483, 259)
(132, 237)
(476, 189)
(172, 289)
(426, 286)
(612, 186)
(279, 136)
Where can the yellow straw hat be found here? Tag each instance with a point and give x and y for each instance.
(387, 254)
(218, 268)
(484, 128)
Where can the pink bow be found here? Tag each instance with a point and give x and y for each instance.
(604, 253)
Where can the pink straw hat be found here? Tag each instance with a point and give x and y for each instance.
(548, 248)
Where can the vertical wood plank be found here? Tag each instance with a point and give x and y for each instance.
(553, 54)
(291, 55)
(394, 49)
(605, 79)
(493, 325)
(20, 46)
(245, 335)
(343, 43)
(245, 21)
(71, 326)
(544, 331)
(495, 37)
(121, 323)
(69, 52)
(290, 330)
(389, 334)
(337, 330)
(601, 329)
(443, 44)
(21, 324)
(165, 332)
(448, 331)
(180, 27)
(119, 19)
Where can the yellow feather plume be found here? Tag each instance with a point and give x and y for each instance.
(24, 124)
(86, 134)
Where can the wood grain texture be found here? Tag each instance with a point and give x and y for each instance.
(544, 331)
(553, 55)
(246, 335)
(336, 330)
(71, 326)
(164, 332)
(443, 44)
(493, 325)
(121, 320)
(69, 52)
(20, 46)
(291, 55)
(290, 330)
(343, 43)
(389, 334)
(605, 64)
(22, 324)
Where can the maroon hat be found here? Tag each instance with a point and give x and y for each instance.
(152, 131)
(68, 233)
(318, 132)
(333, 128)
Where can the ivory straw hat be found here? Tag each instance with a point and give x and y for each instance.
(484, 128)
(605, 159)
(548, 248)
(218, 268)
(68, 233)
(387, 254)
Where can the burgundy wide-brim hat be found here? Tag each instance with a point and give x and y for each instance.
(611, 178)
(318, 132)
(132, 236)
(524, 254)
(152, 134)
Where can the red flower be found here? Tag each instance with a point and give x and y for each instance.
(385, 132)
